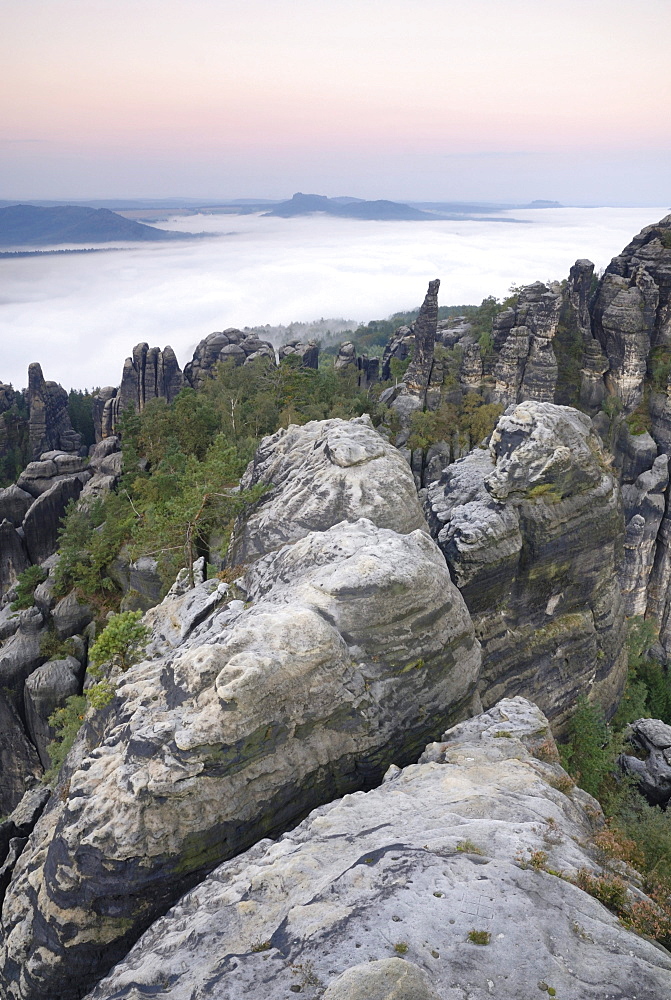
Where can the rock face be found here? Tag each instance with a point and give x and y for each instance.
(412, 868)
(18, 757)
(148, 374)
(354, 647)
(308, 354)
(644, 506)
(43, 521)
(228, 345)
(532, 531)
(653, 738)
(49, 422)
(47, 689)
(527, 366)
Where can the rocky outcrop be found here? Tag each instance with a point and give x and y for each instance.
(47, 689)
(42, 523)
(228, 345)
(442, 849)
(49, 424)
(13, 556)
(652, 738)
(366, 369)
(148, 374)
(343, 647)
(308, 354)
(18, 757)
(532, 531)
(644, 505)
(14, 503)
(527, 366)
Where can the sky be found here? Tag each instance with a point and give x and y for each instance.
(501, 100)
(80, 315)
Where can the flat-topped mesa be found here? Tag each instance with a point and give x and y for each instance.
(523, 334)
(49, 426)
(148, 374)
(532, 531)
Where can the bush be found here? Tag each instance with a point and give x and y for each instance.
(67, 722)
(25, 588)
(588, 757)
(122, 641)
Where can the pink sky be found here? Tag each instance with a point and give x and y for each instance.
(430, 99)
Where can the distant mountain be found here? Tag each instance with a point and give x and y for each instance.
(306, 204)
(30, 225)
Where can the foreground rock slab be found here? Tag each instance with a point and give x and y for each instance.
(410, 869)
(350, 650)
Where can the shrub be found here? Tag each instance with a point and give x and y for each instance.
(479, 937)
(27, 581)
(67, 722)
(122, 641)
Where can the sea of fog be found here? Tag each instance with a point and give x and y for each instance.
(79, 315)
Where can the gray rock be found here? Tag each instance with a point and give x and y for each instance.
(532, 531)
(20, 655)
(14, 502)
(386, 979)
(49, 426)
(13, 556)
(70, 616)
(308, 354)
(18, 758)
(47, 689)
(653, 774)
(102, 450)
(352, 649)
(644, 507)
(527, 366)
(42, 523)
(148, 374)
(321, 473)
(393, 870)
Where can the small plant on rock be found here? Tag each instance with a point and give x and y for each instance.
(25, 587)
(123, 641)
(479, 937)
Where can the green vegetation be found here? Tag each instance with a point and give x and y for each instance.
(25, 587)
(479, 937)
(636, 832)
(122, 641)
(67, 722)
(14, 432)
(80, 410)
(473, 417)
(659, 368)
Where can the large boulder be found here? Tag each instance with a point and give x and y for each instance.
(471, 839)
(532, 530)
(21, 654)
(337, 652)
(651, 767)
(43, 521)
(47, 689)
(14, 502)
(18, 757)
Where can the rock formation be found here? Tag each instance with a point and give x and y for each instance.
(308, 354)
(367, 369)
(148, 374)
(441, 850)
(49, 422)
(532, 531)
(229, 345)
(527, 366)
(353, 649)
(652, 738)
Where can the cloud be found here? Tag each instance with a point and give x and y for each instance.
(80, 315)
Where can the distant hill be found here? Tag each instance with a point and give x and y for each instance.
(31, 225)
(306, 204)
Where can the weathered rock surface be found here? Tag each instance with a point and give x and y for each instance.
(46, 689)
(355, 649)
(21, 654)
(532, 531)
(653, 774)
(148, 374)
(13, 556)
(14, 502)
(527, 366)
(321, 473)
(18, 757)
(49, 423)
(644, 505)
(308, 354)
(42, 523)
(333, 902)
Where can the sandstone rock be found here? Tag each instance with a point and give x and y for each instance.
(386, 979)
(653, 738)
(352, 648)
(526, 366)
(395, 869)
(398, 348)
(148, 374)
(307, 353)
(13, 556)
(49, 424)
(532, 531)
(321, 473)
(18, 757)
(102, 450)
(633, 454)
(346, 357)
(20, 655)
(70, 616)
(47, 689)
(232, 344)
(14, 502)
(644, 506)
(417, 377)
(42, 523)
